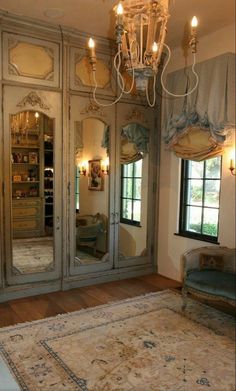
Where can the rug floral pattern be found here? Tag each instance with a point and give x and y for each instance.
(139, 344)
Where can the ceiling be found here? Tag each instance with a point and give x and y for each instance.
(96, 16)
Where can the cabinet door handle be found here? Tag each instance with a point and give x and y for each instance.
(58, 223)
(117, 218)
(112, 219)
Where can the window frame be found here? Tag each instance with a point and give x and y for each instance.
(183, 204)
(122, 198)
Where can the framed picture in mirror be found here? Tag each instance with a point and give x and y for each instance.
(95, 175)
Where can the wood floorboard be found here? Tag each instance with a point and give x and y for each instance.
(51, 304)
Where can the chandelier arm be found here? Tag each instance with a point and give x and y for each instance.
(94, 94)
(117, 68)
(132, 84)
(119, 75)
(193, 70)
(154, 92)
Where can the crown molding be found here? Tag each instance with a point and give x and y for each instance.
(35, 27)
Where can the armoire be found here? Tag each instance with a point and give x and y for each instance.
(67, 165)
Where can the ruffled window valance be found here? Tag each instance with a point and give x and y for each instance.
(196, 126)
(134, 142)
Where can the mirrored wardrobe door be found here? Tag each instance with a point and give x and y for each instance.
(90, 226)
(134, 201)
(31, 208)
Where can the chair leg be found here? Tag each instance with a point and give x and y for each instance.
(184, 297)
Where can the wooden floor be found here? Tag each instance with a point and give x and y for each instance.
(51, 304)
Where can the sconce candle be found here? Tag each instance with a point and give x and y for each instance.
(193, 37)
(105, 166)
(83, 168)
(91, 45)
(194, 24)
(119, 12)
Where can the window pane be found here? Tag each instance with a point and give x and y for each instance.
(195, 192)
(212, 189)
(127, 209)
(137, 211)
(195, 169)
(137, 188)
(138, 168)
(210, 222)
(128, 170)
(213, 167)
(127, 187)
(193, 220)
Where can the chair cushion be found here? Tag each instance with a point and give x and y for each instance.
(213, 282)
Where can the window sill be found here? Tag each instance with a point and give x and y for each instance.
(196, 237)
(127, 222)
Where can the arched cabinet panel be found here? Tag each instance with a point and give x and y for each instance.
(136, 168)
(32, 185)
(91, 176)
(111, 220)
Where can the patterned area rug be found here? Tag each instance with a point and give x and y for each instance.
(140, 344)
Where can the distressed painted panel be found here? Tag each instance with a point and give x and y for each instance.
(84, 75)
(30, 60)
(81, 77)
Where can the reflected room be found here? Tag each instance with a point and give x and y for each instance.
(91, 191)
(32, 189)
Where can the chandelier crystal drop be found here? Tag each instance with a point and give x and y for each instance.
(140, 30)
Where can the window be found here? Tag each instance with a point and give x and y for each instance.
(131, 181)
(199, 203)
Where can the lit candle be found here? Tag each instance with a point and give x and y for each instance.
(91, 45)
(119, 13)
(154, 50)
(194, 24)
(36, 118)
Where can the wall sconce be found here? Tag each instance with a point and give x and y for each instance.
(83, 168)
(105, 166)
(232, 167)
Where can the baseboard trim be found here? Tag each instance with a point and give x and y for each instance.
(37, 288)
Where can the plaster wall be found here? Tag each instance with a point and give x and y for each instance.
(171, 246)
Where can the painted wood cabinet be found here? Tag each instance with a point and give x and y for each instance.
(75, 195)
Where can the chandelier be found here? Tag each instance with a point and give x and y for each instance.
(140, 35)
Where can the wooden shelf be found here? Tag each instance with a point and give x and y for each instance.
(24, 146)
(29, 164)
(29, 182)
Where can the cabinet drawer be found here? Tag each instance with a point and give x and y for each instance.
(25, 212)
(25, 203)
(26, 224)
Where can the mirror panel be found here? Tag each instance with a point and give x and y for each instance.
(134, 174)
(32, 191)
(91, 192)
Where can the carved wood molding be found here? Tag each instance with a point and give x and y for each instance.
(136, 114)
(33, 99)
(93, 108)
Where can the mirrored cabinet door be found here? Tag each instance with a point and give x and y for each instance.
(30, 205)
(91, 227)
(135, 199)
